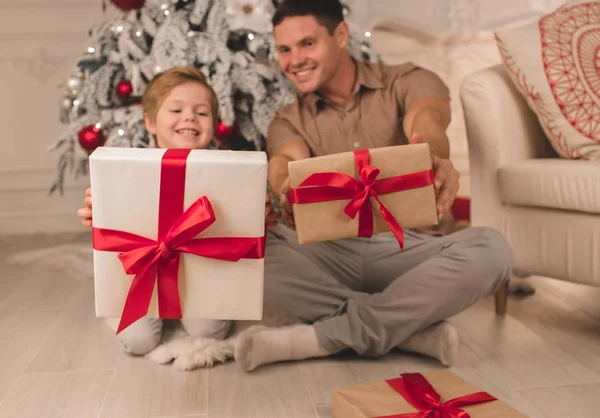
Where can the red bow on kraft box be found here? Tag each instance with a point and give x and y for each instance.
(157, 261)
(413, 396)
(421, 395)
(330, 186)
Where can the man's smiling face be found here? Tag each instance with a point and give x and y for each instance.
(308, 53)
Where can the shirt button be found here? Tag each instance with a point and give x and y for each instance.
(356, 144)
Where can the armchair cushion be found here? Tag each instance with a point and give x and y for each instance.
(555, 64)
(551, 183)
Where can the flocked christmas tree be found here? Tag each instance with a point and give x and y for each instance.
(230, 40)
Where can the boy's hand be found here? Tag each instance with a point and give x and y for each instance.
(271, 217)
(86, 213)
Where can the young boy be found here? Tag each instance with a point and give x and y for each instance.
(180, 111)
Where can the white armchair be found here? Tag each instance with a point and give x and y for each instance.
(547, 207)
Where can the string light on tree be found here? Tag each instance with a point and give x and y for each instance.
(74, 84)
(66, 105)
(167, 8)
(117, 29)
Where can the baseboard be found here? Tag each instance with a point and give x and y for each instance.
(26, 206)
(36, 224)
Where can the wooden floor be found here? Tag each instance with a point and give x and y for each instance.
(58, 360)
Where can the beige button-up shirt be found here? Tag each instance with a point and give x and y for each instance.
(372, 118)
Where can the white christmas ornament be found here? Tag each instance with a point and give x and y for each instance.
(254, 15)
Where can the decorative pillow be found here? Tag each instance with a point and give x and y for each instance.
(555, 63)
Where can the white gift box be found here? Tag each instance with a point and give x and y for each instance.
(125, 186)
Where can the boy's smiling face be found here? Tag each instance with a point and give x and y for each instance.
(184, 118)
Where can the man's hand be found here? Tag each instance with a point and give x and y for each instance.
(271, 217)
(86, 213)
(286, 206)
(446, 179)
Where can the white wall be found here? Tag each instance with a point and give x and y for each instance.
(40, 40)
(446, 18)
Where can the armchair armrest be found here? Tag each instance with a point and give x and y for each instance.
(500, 129)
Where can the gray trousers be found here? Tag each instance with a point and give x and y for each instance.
(366, 295)
(145, 334)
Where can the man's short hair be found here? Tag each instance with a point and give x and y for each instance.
(329, 13)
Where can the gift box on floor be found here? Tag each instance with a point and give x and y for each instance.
(178, 233)
(362, 193)
(439, 394)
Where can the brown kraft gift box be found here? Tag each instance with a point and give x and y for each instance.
(323, 221)
(379, 399)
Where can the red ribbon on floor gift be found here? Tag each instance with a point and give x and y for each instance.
(323, 187)
(158, 260)
(419, 393)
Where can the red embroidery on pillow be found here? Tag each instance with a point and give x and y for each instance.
(537, 104)
(571, 57)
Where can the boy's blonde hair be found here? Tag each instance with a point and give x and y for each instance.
(162, 84)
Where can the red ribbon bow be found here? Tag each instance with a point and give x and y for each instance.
(322, 187)
(158, 260)
(420, 394)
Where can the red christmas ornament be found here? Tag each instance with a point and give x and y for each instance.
(128, 4)
(124, 89)
(224, 132)
(90, 138)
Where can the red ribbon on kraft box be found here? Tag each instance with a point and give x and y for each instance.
(420, 394)
(322, 187)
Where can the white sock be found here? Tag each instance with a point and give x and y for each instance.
(260, 345)
(439, 341)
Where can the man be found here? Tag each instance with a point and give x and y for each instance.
(363, 294)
